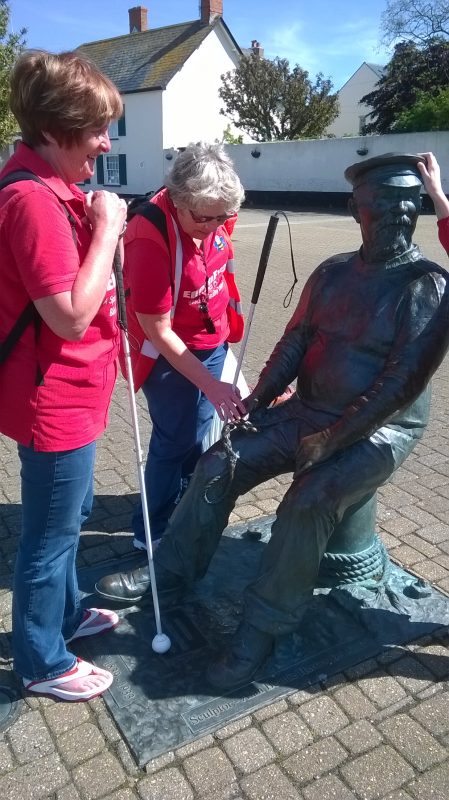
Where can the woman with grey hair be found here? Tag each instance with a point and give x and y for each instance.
(183, 308)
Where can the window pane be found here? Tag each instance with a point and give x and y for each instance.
(112, 175)
(113, 129)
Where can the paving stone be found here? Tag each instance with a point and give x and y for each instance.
(169, 784)
(413, 742)
(209, 770)
(434, 714)
(433, 785)
(29, 738)
(270, 784)
(249, 750)
(34, 780)
(354, 702)
(411, 673)
(359, 737)
(6, 758)
(313, 761)
(61, 717)
(400, 795)
(122, 794)
(80, 744)
(127, 760)
(108, 727)
(399, 526)
(389, 541)
(194, 747)
(376, 773)
(406, 555)
(98, 776)
(287, 733)
(160, 762)
(270, 710)
(435, 658)
(328, 788)
(382, 689)
(434, 533)
(233, 727)
(231, 792)
(360, 670)
(323, 715)
(430, 571)
(427, 549)
(303, 695)
(69, 792)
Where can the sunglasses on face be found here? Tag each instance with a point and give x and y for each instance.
(220, 218)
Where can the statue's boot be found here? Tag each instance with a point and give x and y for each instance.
(250, 647)
(135, 585)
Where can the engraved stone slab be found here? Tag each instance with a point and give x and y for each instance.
(161, 702)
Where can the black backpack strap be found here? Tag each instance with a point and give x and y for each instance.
(25, 175)
(29, 314)
(156, 216)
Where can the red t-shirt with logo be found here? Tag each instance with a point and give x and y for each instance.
(54, 394)
(149, 277)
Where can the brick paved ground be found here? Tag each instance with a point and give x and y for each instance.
(380, 730)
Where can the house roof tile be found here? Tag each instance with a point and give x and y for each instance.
(148, 59)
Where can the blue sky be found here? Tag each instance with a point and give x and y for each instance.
(331, 36)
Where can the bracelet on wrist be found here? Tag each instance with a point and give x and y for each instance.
(122, 232)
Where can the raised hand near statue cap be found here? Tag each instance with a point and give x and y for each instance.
(313, 450)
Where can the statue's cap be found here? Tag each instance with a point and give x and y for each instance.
(390, 166)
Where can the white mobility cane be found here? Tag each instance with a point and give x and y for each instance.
(264, 256)
(161, 642)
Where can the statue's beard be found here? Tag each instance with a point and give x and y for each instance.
(388, 241)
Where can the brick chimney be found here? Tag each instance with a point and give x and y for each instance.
(138, 19)
(256, 48)
(210, 10)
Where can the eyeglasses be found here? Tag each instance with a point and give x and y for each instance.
(207, 319)
(220, 218)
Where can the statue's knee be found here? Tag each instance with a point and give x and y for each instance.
(312, 501)
(212, 464)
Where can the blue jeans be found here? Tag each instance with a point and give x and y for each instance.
(181, 417)
(57, 495)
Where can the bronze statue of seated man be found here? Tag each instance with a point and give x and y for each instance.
(369, 330)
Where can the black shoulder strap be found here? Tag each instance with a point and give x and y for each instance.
(156, 216)
(26, 175)
(19, 175)
(29, 314)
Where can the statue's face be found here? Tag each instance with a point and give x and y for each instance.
(387, 207)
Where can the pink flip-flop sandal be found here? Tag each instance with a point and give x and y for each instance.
(95, 620)
(94, 681)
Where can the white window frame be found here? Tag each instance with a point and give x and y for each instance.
(111, 170)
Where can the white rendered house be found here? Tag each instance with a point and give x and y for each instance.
(353, 114)
(169, 79)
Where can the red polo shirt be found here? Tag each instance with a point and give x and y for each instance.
(149, 275)
(54, 394)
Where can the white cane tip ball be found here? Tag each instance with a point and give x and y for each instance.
(161, 643)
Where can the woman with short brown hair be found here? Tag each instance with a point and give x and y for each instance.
(56, 252)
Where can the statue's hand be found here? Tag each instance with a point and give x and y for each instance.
(313, 449)
(251, 403)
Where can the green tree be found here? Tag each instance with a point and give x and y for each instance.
(229, 138)
(414, 20)
(412, 70)
(271, 102)
(10, 46)
(429, 113)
